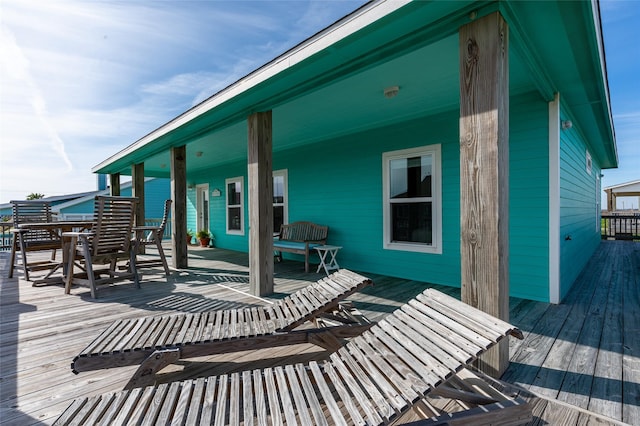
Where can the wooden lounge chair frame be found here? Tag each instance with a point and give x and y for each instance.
(108, 242)
(417, 351)
(33, 211)
(155, 342)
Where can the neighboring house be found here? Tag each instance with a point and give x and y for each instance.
(629, 189)
(6, 209)
(156, 191)
(80, 206)
(365, 125)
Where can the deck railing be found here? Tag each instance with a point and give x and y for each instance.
(5, 235)
(620, 227)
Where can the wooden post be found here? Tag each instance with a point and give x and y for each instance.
(260, 204)
(137, 190)
(179, 207)
(114, 184)
(611, 201)
(484, 174)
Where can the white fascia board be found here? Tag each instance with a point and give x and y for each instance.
(345, 27)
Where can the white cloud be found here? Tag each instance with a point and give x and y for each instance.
(82, 80)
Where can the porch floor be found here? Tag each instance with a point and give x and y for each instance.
(581, 359)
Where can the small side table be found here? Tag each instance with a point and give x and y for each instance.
(328, 260)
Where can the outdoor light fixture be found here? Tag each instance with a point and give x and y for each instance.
(566, 124)
(199, 154)
(391, 92)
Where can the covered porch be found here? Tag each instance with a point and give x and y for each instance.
(580, 358)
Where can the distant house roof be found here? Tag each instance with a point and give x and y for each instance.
(629, 188)
(59, 199)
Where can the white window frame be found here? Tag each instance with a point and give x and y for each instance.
(436, 200)
(285, 202)
(239, 179)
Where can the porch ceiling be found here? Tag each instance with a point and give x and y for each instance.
(339, 90)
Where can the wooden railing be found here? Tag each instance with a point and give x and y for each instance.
(620, 227)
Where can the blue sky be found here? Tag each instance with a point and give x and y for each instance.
(80, 80)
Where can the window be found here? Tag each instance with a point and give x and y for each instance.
(235, 205)
(589, 163)
(412, 200)
(280, 202)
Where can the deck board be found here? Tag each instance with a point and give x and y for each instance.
(583, 352)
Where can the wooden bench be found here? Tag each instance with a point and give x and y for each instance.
(300, 238)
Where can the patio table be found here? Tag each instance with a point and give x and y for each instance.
(58, 228)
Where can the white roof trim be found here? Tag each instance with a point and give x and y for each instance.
(350, 24)
(623, 185)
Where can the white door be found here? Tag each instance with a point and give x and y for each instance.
(202, 208)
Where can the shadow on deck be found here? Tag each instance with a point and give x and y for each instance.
(582, 357)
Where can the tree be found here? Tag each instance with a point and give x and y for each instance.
(35, 196)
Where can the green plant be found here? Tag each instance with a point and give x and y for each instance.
(203, 233)
(189, 233)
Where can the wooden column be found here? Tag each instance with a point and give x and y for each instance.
(137, 190)
(611, 201)
(260, 204)
(114, 184)
(179, 207)
(484, 173)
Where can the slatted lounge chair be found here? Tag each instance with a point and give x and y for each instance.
(155, 342)
(419, 350)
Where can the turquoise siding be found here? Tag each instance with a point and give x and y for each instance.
(339, 183)
(529, 197)
(579, 207)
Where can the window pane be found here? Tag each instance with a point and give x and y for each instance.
(278, 190)
(278, 217)
(234, 219)
(234, 193)
(410, 177)
(411, 222)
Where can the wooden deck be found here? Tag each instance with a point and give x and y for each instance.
(581, 358)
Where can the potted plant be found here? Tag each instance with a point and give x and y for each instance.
(204, 236)
(189, 236)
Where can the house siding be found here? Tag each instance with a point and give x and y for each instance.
(529, 197)
(348, 197)
(579, 201)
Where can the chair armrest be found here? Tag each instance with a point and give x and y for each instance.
(145, 228)
(78, 234)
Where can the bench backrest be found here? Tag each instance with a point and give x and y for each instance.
(304, 231)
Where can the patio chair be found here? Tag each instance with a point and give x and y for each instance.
(155, 342)
(108, 242)
(30, 240)
(152, 235)
(415, 355)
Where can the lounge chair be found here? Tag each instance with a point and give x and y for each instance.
(419, 350)
(155, 342)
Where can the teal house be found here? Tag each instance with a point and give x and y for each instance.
(455, 142)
